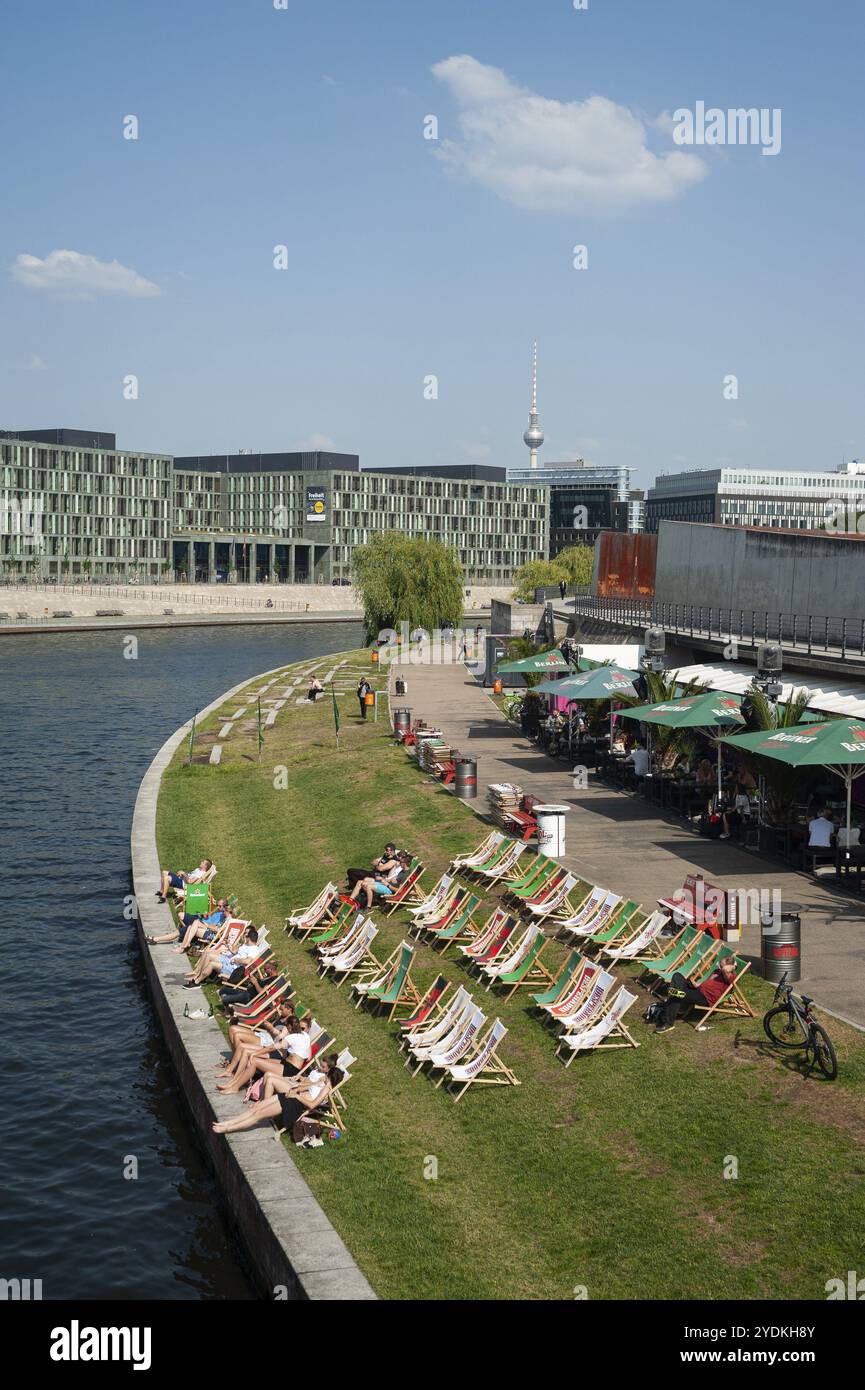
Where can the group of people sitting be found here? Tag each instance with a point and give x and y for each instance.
(275, 1058)
(382, 879)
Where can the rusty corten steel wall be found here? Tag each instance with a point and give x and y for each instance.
(624, 565)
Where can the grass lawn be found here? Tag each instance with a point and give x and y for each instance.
(609, 1176)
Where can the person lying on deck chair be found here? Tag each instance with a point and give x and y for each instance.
(217, 961)
(263, 1035)
(287, 1100)
(243, 994)
(387, 860)
(382, 885)
(177, 880)
(284, 1056)
(204, 928)
(680, 991)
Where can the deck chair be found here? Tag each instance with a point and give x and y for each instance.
(504, 867)
(332, 1112)
(528, 970)
(443, 915)
(530, 884)
(559, 984)
(503, 848)
(587, 971)
(626, 920)
(408, 891)
(584, 910)
(601, 1033)
(435, 899)
(306, 919)
(427, 1005)
(400, 991)
(264, 1003)
(552, 901)
(608, 907)
(590, 1009)
(388, 970)
(699, 955)
(342, 919)
(461, 927)
(463, 1046)
(357, 956)
(485, 1068)
(481, 855)
(451, 1029)
(485, 935)
(498, 945)
(439, 1023)
(229, 933)
(675, 949)
(645, 934)
(732, 1003)
(343, 942)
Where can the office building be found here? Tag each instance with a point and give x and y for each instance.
(584, 499)
(784, 499)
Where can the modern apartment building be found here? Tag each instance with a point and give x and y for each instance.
(72, 504)
(780, 498)
(585, 499)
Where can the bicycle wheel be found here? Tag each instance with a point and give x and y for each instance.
(782, 1027)
(822, 1052)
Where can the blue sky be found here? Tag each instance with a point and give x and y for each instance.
(410, 257)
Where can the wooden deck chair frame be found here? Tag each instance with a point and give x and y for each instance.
(431, 1001)
(618, 1029)
(732, 1003)
(407, 994)
(494, 1071)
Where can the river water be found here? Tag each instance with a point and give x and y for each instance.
(87, 1094)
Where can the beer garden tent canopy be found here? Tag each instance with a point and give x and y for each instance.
(838, 745)
(538, 661)
(706, 711)
(603, 683)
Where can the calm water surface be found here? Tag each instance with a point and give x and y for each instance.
(85, 1080)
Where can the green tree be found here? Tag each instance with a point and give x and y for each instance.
(402, 579)
(577, 561)
(537, 574)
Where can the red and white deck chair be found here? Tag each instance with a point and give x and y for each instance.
(577, 989)
(484, 939)
(592, 1006)
(508, 960)
(435, 899)
(463, 1046)
(484, 852)
(432, 1029)
(601, 917)
(585, 910)
(548, 905)
(603, 1032)
(443, 914)
(503, 867)
(498, 947)
(648, 932)
(485, 1067)
(428, 1008)
(303, 920)
(229, 935)
(453, 1028)
(358, 957)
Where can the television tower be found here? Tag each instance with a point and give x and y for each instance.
(534, 435)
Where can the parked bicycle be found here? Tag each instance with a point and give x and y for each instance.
(791, 1024)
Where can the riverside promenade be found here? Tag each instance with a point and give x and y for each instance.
(625, 843)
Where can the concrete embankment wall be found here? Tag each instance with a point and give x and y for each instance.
(811, 574)
(292, 1247)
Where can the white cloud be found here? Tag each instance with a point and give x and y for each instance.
(555, 156)
(36, 363)
(76, 276)
(313, 444)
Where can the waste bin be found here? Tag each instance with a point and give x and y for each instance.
(781, 947)
(551, 829)
(466, 778)
(402, 721)
(401, 687)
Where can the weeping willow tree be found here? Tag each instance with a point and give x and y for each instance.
(402, 579)
(781, 783)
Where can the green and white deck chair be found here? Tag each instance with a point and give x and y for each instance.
(388, 969)
(648, 932)
(498, 853)
(485, 1068)
(528, 970)
(560, 983)
(341, 943)
(592, 1006)
(700, 953)
(604, 914)
(607, 1031)
(400, 990)
(676, 950)
(306, 919)
(482, 855)
(547, 906)
(485, 936)
(358, 956)
(625, 922)
(432, 1030)
(505, 864)
(530, 884)
(462, 1047)
(461, 927)
(434, 900)
(732, 1003)
(339, 923)
(420, 1052)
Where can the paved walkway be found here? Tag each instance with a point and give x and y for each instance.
(627, 844)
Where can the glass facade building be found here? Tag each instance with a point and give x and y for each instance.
(785, 499)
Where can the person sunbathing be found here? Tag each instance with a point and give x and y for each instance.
(177, 880)
(680, 991)
(288, 1100)
(218, 960)
(284, 1056)
(382, 885)
(204, 929)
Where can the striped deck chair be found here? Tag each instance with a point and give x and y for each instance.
(306, 919)
(435, 899)
(463, 1046)
(502, 851)
(482, 855)
(357, 956)
(485, 1068)
(343, 942)
(409, 891)
(610, 905)
(506, 869)
(499, 944)
(484, 938)
(345, 915)
(529, 885)
(264, 1003)
(732, 1003)
(675, 950)
(601, 1033)
(528, 970)
(429, 1006)
(444, 914)
(229, 933)
(388, 970)
(581, 981)
(509, 959)
(401, 991)
(644, 936)
(591, 1007)
(461, 927)
(573, 901)
(552, 901)
(439, 1027)
(560, 984)
(584, 911)
(421, 1050)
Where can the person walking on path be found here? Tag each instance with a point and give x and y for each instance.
(363, 689)
(563, 589)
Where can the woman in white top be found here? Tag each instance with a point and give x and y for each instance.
(293, 1051)
(287, 1100)
(265, 1035)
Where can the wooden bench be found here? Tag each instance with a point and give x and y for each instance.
(701, 904)
(525, 824)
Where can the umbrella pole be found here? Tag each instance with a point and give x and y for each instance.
(849, 780)
(718, 746)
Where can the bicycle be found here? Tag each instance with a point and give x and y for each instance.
(791, 1024)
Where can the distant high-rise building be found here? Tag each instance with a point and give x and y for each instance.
(585, 498)
(787, 499)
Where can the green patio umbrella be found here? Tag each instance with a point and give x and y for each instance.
(603, 683)
(837, 744)
(539, 661)
(706, 711)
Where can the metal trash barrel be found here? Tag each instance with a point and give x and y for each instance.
(401, 687)
(551, 829)
(402, 721)
(781, 947)
(466, 778)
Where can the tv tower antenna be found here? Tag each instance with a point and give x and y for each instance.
(534, 435)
